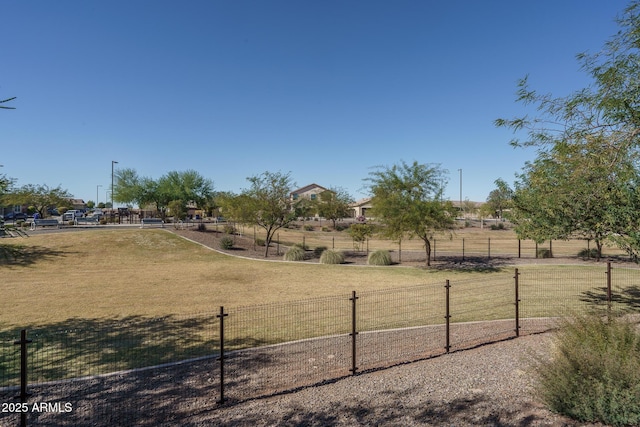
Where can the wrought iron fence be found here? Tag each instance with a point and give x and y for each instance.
(164, 370)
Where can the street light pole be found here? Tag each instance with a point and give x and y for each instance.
(461, 210)
(113, 162)
(97, 197)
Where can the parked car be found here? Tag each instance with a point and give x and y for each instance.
(15, 215)
(72, 214)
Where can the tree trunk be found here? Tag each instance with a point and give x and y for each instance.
(427, 248)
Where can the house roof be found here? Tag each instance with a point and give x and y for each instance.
(308, 188)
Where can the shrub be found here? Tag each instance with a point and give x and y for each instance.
(331, 257)
(229, 229)
(379, 258)
(319, 250)
(594, 375)
(260, 242)
(202, 226)
(499, 226)
(544, 253)
(301, 246)
(295, 253)
(309, 227)
(226, 242)
(588, 253)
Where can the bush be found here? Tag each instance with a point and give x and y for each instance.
(319, 250)
(295, 253)
(331, 257)
(229, 229)
(226, 242)
(309, 227)
(544, 253)
(379, 258)
(260, 242)
(588, 253)
(594, 375)
(499, 226)
(201, 227)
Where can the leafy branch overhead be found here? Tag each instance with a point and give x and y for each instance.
(7, 107)
(585, 179)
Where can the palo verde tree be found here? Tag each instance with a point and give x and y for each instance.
(600, 120)
(407, 200)
(334, 204)
(266, 203)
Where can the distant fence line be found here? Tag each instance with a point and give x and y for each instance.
(162, 370)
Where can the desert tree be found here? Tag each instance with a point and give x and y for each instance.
(407, 200)
(499, 199)
(39, 196)
(266, 204)
(334, 204)
(602, 119)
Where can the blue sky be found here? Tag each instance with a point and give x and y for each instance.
(325, 90)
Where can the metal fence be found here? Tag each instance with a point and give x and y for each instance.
(163, 371)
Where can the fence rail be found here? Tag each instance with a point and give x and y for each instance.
(150, 371)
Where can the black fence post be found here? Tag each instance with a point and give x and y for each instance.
(609, 295)
(24, 395)
(353, 333)
(519, 248)
(489, 248)
(517, 302)
(221, 316)
(447, 316)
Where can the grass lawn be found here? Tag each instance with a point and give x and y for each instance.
(95, 284)
(114, 274)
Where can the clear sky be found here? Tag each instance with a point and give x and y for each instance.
(325, 90)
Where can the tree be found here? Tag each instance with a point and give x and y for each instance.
(41, 197)
(178, 187)
(600, 120)
(576, 190)
(334, 204)
(499, 199)
(407, 199)
(266, 204)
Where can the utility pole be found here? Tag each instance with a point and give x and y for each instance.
(113, 162)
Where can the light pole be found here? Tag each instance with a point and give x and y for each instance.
(113, 162)
(461, 210)
(97, 197)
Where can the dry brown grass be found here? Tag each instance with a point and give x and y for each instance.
(119, 273)
(112, 274)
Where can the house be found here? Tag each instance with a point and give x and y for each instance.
(78, 204)
(361, 207)
(310, 192)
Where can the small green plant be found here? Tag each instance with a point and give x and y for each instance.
(295, 253)
(309, 227)
(544, 253)
(379, 257)
(499, 226)
(319, 250)
(594, 375)
(331, 257)
(588, 253)
(260, 242)
(226, 242)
